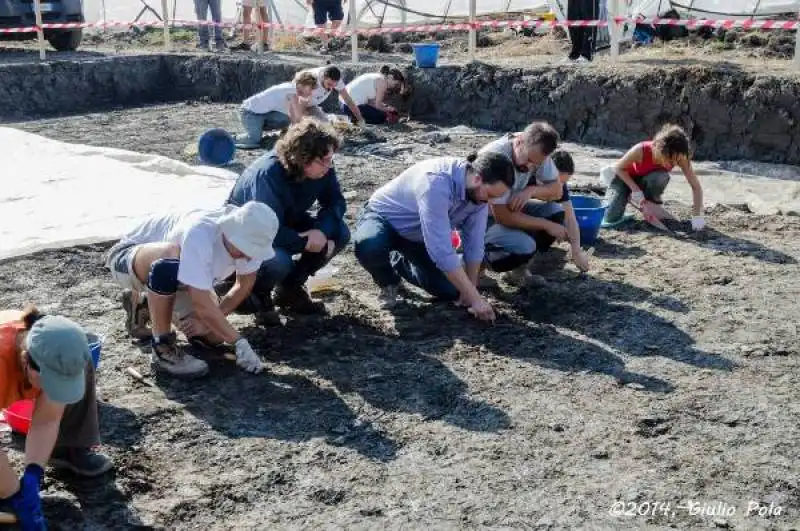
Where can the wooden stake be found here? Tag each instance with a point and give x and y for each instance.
(39, 29)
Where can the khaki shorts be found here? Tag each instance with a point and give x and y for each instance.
(120, 262)
(249, 3)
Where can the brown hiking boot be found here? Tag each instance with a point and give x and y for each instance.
(136, 316)
(295, 298)
(169, 358)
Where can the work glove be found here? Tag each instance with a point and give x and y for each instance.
(27, 503)
(698, 223)
(246, 357)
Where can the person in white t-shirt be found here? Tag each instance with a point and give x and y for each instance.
(275, 108)
(530, 218)
(368, 92)
(175, 259)
(329, 79)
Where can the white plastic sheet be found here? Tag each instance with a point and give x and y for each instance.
(56, 194)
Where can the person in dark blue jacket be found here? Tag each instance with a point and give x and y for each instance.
(290, 179)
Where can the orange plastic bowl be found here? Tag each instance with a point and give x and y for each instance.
(18, 415)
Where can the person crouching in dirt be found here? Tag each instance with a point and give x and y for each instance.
(368, 92)
(329, 79)
(46, 358)
(530, 217)
(176, 259)
(290, 179)
(404, 229)
(642, 175)
(275, 108)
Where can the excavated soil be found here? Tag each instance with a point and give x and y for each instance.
(668, 374)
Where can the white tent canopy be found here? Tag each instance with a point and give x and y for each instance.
(390, 12)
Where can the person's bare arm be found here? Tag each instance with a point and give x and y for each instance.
(296, 109)
(210, 314)
(542, 192)
(351, 105)
(697, 190)
(238, 293)
(574, 232)
(519, 220)
(473, 272)
(380, 94)
(42, 435)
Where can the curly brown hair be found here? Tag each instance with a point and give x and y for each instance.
(305, 78)
(671, 141)
(304, 142)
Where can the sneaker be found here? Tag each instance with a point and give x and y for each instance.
(295, 298)
(220, 46)
(168, 358)
(84, 462)
(388, 297)
(136, 319)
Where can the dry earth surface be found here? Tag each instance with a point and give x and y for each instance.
(668, 374)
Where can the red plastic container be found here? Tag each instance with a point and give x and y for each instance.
(18, 415)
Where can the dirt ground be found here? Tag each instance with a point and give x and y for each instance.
(667, 375)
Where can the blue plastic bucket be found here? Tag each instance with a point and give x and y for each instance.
(589, 212)
(426, 54)
(216, 147)
(95, 347)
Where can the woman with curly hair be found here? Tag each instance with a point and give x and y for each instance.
(290, 179)
(45, 358)
(642, 175)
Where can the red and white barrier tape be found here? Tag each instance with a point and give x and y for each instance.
(429, 28)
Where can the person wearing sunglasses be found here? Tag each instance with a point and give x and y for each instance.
(46, 358)
(290, 179)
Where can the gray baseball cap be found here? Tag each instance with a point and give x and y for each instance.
(61, 350)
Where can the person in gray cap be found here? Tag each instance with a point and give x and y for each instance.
(176, 259)
(46, 359)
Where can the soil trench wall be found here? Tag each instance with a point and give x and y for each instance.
(730, 114)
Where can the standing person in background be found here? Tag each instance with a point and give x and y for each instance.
(582, 38)
(324, 10)
(329, 79)
(368, 92)
(275, 108)
(247, 18)
(201, 9)
(642, 175)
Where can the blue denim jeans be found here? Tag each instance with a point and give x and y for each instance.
(372, 115)
(254, 125)
(201, 9)
(388, 257)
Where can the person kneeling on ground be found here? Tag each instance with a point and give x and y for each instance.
(368, 92)
(275, 108)
(529, 218)
(291, 179)
(176, 259)
(46, 358)
(642, 175)
(329, 79)
(404, 229)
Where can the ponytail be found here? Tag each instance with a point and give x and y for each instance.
(30, 315)
(472, 156)
(385, 70)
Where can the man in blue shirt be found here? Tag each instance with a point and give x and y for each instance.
(290, 179)
(404, 230)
